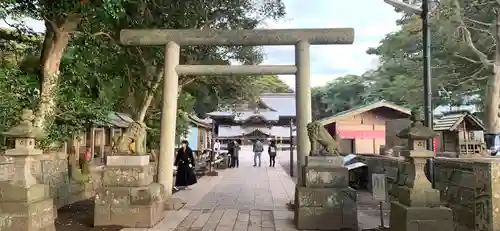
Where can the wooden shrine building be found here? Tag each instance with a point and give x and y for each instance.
(362, 128)
(270, 118)
(460, 132)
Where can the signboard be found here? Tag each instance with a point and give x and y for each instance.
(347, 134)
(379, 189)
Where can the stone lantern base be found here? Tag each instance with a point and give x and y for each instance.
(26, 209)
(406, 218)
(324, 199)
(129, 197)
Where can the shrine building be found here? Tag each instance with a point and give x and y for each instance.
(270, 118)
(363, 128)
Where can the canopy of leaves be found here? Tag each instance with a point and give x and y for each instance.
(99, 75)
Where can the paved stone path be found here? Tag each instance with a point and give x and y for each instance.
(241, 199)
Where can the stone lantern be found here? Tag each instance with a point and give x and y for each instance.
(418, 204)
(24, 202)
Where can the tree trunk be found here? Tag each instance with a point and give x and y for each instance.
(148, 97)
(55, 42)
(492, 97)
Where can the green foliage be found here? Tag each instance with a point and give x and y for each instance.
(16, 93)
(97, 75)
(460, 64)
(339, 95)
(271, 84)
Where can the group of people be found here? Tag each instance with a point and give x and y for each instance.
(185, 162)
(234, 147)
(258, 148)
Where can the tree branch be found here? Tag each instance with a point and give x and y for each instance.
(468, 37)
(481, 30)
(7, 35)
(103, 34)
(51, 24)
(466, 58)
(478, 22)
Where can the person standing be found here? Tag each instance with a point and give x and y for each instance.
(184, 161)
(272, 150)
(230, 151)
(258, 148)
(216, 148)
(236, 154)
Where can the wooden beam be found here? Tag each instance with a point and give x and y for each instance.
(236, 70)
(258, 37)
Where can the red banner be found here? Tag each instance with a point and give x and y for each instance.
(347, 134)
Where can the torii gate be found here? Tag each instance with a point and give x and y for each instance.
(173, 39)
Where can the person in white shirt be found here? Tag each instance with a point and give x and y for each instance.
(217, 148)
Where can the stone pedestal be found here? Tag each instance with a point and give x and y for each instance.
(129, 197)
(324, 199)
(418, 205)
(408, 218)
(25, 205)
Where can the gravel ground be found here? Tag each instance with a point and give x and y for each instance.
(79, 216)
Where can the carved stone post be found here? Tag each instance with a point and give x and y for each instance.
(25, 205)
(324, 199)
(418, 206)
(129, 198)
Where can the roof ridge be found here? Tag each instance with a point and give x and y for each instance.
(372, 105)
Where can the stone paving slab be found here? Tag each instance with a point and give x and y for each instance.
(241, 199)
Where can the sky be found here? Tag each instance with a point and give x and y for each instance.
(371, 20)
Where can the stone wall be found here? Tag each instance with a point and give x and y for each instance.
(396, 171)
(470, 187)
(52, 169)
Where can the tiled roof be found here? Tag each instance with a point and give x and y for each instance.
(235, 131)
(266, 115)
(451, 121)
(279, 104)
(283, 103)
(206, 123)
(119, 119)
(365, 108)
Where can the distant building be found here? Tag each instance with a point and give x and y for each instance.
(363, 128)
(460, 132)
(270, 118)
(99, 138)
(199, 134)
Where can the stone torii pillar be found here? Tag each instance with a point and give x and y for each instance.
(173, 39)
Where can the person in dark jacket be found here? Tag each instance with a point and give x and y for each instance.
(184, 161)
(230, 153)
(272, 150)
(236, 153)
